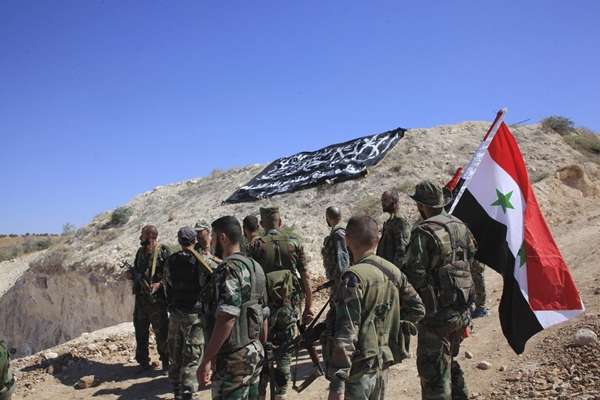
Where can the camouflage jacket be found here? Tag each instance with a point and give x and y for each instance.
(346, 322)
(425, 253)
(142, 266)
(336, 258)
(395, 236)
(232, 287)
(257, 250)
(211, 260)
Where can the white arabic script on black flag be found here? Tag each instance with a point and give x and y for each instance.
(335, 163)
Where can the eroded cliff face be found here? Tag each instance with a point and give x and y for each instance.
(45, 308)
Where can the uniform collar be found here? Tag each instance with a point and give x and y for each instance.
(370, 254)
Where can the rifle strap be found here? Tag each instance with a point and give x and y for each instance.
(201, 260)
(154, 260)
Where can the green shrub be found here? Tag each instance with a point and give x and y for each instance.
(561, 125)
(120, 216)
(585, 143)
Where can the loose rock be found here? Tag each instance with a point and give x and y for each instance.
(484, 365)
(585, 337)
(85, 382)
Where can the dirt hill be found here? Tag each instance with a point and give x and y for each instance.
(78, 287)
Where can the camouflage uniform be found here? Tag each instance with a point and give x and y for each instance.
(365, 331)
(477, 269)
(7, 381)
(441, 331)
(186, 284)
(395, 236)
(150, 309)
(237, 369)
(336, 258)
(283, 317)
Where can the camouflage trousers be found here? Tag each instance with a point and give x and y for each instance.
(186, 344)
(282, 329)
(237, 374)
(478, 283)
(369, 385)
(441, 376)
(146, 313)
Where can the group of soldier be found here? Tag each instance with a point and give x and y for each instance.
(229, 307)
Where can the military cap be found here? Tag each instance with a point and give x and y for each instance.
(202, 225)
(186, 235)
(268, 212)
(430, 194)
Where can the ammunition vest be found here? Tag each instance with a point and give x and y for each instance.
(249, 323)
(450, 286)
(7, 382)
(381, 310)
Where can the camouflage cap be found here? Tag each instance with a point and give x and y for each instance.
(268, 212)
(202, 225)
(430, 194)
(186, 235)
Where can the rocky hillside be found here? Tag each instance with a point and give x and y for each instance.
(78, 286)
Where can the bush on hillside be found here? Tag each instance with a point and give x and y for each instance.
(120, 216)
(561, 125)
(585, 143)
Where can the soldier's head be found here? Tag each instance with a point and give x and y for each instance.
(270, 218)
(362, 235)
(430, 198)
(148, 236)
(390, 201)
(250, 226)
(226, 236)
(203, 233)
(186, 237)
(333, 216)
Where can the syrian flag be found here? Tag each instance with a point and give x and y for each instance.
(497, 202)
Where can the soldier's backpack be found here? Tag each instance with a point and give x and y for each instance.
(7, 382)
(452, 284)
(282, 277)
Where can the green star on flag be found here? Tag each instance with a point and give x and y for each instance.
(522, 256)
(503, 201)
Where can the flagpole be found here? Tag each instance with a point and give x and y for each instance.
(478, 156)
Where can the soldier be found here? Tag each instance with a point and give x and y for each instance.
(395, 234)
(282, 258)
(186, 279)
(373, 315)
(203, 243)
(7, 381)
(480, 310)
(234, 349)
(150, 306)
(334, 251)
(438, 264)
(250, 229)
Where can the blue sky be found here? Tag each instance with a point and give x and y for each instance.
(102, 100)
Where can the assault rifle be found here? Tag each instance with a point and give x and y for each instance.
(140, 284)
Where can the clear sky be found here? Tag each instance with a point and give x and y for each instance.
(102, 100)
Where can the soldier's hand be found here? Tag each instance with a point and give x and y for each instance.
(204, 373)
(333, 395)
(155, 287)
(129, 274)
(307, 316)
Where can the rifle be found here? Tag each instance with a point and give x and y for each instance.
(308, 335)
(140, 284)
